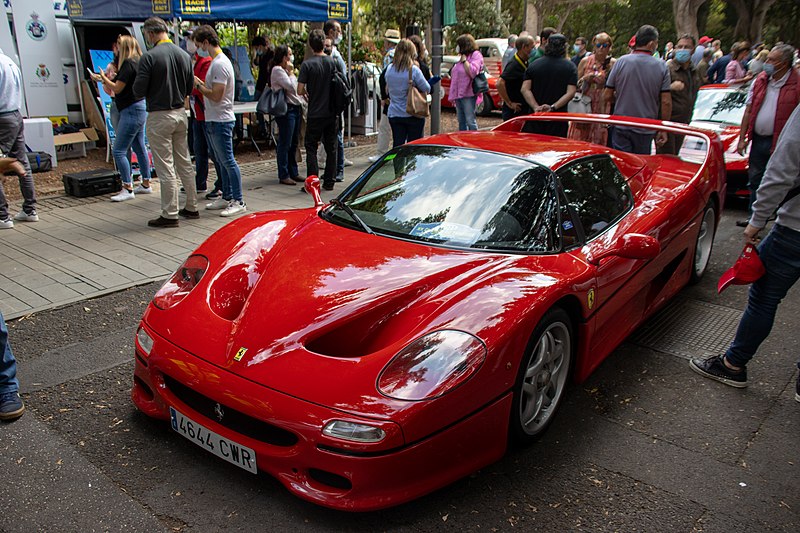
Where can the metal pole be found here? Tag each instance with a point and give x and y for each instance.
(436, 66)
(349, 72)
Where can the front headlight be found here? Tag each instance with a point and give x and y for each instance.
(144, 340)
(432, 365)
(182, 282)
(353, 431)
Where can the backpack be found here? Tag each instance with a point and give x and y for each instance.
(341, 92)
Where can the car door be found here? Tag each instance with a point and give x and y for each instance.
(598, 208)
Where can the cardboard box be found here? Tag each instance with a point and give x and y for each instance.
(72, 145)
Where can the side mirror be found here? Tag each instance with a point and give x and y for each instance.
(630, 246)
(312, 188)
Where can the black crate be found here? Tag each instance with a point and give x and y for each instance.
(92, 183)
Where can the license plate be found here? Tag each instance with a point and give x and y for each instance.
(233, 452)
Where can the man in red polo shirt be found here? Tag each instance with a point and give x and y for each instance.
(773, 96)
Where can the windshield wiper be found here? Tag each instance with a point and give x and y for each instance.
(346, 208)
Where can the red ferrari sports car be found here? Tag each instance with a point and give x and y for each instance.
(371, 350)
(720, 108)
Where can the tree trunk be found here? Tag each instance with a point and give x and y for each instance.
(685, 13)
(750, 18)
(532, 18)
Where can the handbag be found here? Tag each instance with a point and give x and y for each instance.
(416, 103)
(272, 103)
(480, 84)
(580, 104)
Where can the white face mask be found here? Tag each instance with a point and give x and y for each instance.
(191, 47)
(338, 39)
(202, 53)
(291, 59)
(458, 49)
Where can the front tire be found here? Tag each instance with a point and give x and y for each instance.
(704, 242)
(485, 107)
(542, 377)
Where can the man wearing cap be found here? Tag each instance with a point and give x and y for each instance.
(780, 254)
(697, 56)
(390, 40)
(640, 84)
(771, 99)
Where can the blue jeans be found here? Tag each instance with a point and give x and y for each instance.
(8, 368)
(220, 137)
(632, 142)
(201, 155)
(288, 137)
(130, 134)
(340, 152)
(780, 253)
(406, 129)
(760, 150)
(465, 111)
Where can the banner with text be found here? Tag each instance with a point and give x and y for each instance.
(40, 57)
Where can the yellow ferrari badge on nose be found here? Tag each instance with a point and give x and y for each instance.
(590, 298)
(240, 354)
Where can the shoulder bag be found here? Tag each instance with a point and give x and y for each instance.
(416, 103)
(480, 84)
(272, 103)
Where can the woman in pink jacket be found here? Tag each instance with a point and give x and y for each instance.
(470, 64)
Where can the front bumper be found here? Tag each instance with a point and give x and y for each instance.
(286, 434)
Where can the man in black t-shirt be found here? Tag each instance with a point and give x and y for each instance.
(510, 83)
(550, 83)
(314, 80)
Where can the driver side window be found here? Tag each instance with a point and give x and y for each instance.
(597, 192)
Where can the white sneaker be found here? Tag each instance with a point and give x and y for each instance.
(6, 224)
(234, 208)
(123, 196)
(141, 189)
(347, 162)
(219, 203)
(22, 216)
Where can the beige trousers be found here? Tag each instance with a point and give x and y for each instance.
(167, 132)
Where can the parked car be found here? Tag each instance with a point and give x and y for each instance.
(486, 105)
(374, 349)
(720, 108)
(492, 51)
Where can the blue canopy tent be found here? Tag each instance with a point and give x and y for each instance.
(218, 10)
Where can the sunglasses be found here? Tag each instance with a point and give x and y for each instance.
(602, 45)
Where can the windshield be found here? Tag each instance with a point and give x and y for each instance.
(720, 106)
(457, 197)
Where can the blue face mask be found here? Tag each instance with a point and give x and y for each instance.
(576, 48)
(682, 56)
(769, 68)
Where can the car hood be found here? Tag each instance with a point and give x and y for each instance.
(326, 306)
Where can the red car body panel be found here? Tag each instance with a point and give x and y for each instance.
(322, 309)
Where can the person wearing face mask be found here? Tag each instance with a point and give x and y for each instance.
(282, 77)
(771, 99)
(218, 91)
(164, 78)
(333, 31)
(592, 74)
(639, 86)
(262, 57)
(579, 51)
(685, 82)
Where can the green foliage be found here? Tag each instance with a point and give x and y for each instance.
(480, 19)
(620, 19)
(398, 14)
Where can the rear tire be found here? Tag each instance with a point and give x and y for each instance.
(704, 243)
(485, 107)
(542, 377)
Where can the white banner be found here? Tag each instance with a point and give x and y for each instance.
(40, 57)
